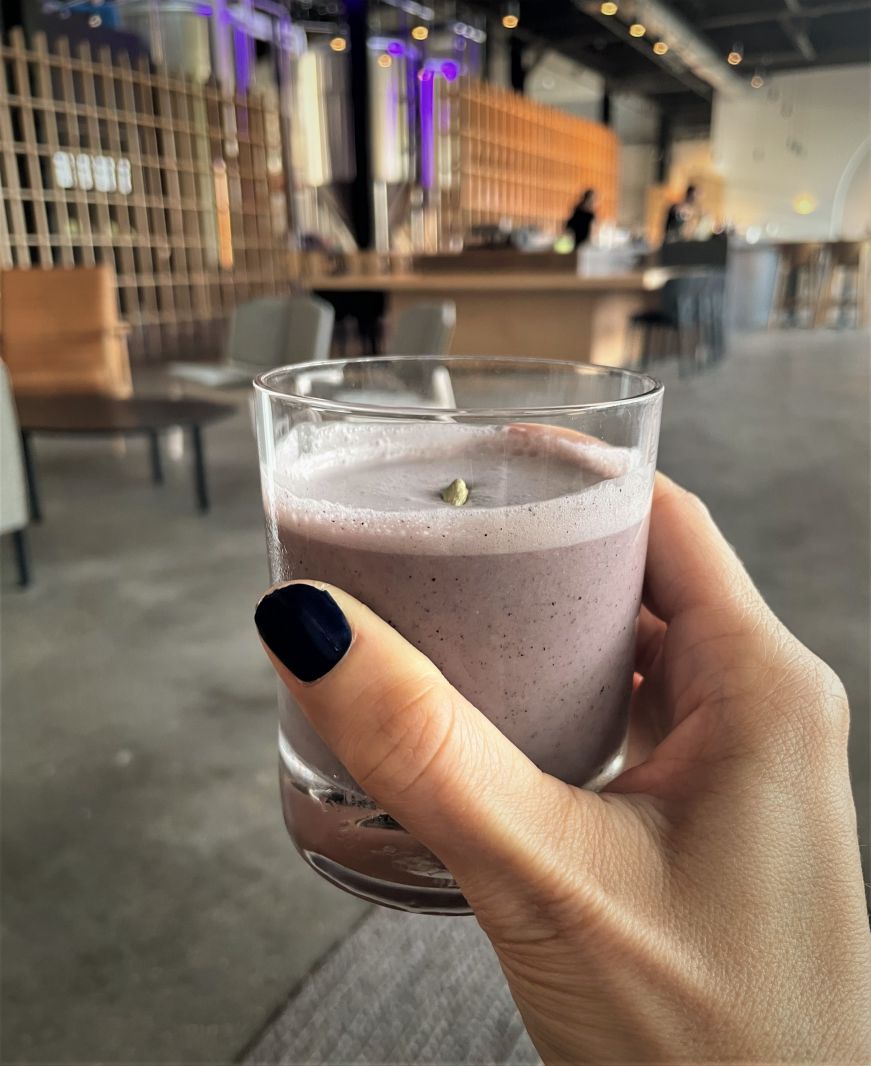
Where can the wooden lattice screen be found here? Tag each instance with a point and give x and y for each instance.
(525, 161)
(178, 186)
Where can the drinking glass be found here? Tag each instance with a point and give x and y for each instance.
(495, 512)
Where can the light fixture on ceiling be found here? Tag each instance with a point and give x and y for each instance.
(420, 33)
(608, 7)
(805, 204)
(736, 56)
(94, 21)
(637, 29)
(660, 48)
(338, 44)
(385, 61)
(511, 15)
(757, 81)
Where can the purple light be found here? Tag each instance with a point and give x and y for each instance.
(450, 70)
(395, 48)
(427, 129)
(243, 60)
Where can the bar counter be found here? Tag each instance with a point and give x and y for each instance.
(550, 315)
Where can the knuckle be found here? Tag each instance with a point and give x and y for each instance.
(815, 705)
(830, 710)
(683, 497)
(696, 503)
(414, 722)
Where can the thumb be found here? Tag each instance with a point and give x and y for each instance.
(408, 738)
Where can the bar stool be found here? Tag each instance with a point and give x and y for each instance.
(689, 322)
(848, 261)
(797, 287)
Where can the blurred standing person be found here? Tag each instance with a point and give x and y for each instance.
(582, 219)
(682, 217)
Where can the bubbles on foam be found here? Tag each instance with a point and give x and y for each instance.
(615, 503)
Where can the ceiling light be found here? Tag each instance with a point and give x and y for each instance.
(736, 55)
(608, 7)
(420, 33)
(511, 15)
(94, 21)
(804, 204)
(385, 61)
(757, 81)
(637, 30)
(660, 48)
(338, 44)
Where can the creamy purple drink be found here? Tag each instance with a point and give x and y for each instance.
(525, 595)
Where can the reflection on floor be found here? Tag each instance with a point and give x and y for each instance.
(152, 907)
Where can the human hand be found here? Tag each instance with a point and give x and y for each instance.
(708, 906)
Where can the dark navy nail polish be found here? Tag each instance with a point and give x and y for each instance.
(304, 627)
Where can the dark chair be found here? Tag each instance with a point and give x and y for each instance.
(365, 308)
(689, 322)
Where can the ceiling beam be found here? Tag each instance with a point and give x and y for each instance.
(751, 18)
(794, 26)
(784, 61)
(656, 85)
(679, 73)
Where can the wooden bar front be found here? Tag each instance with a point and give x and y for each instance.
(549, 316)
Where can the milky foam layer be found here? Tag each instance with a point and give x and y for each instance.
(376, 485)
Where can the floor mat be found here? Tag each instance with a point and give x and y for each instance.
(402, 989)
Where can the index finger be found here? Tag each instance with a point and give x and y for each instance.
(689, 562)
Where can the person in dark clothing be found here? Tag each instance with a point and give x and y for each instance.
(582, 218)
(680, 215)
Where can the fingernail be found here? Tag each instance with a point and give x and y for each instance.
(304, 627)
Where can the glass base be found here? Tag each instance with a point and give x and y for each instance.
(358, 847)
(417, 900)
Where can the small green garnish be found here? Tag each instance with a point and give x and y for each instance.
(457, 493)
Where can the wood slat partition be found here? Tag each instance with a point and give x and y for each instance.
(176, 185)
(522, 160)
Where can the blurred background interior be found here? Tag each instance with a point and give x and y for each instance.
(195, 191)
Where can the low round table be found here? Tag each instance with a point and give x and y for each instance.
(104, 415)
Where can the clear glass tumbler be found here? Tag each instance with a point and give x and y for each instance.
(495, 512)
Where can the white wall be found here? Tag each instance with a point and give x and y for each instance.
(558, 82)
(637, 172)
(827, 113)
(856, 189)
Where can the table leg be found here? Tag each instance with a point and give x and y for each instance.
(30, 477)
(156, 459)
(200, 484)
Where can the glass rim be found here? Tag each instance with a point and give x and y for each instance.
(265, 384)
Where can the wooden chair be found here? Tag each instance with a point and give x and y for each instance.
(797, 288)
(848, 261)
(60, 332)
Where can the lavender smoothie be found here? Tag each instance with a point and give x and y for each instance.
(525, 597)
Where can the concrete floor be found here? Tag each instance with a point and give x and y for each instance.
(152, 908)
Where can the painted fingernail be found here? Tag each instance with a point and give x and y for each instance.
(304, 627)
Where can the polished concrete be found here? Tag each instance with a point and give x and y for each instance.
(152, 908)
